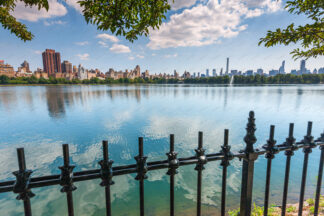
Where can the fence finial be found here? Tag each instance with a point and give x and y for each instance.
(226, 150)
(270, 146)
(172, 158)
(66, 178)
(309, 139)
(250, 138)
(200, 153)
(248, 167)
(23, 177)
(106, 172)
(141, 165)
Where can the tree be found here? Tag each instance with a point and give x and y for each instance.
(32, 80)
(4, 79)
(310, 36)
(129, 18)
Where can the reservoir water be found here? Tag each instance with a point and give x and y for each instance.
(42, 118)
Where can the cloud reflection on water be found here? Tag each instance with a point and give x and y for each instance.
(87, 114)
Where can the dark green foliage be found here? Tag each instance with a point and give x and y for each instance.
(252, 80)
(4, 79)
(210, 80)
(310, 35)
(129, 18)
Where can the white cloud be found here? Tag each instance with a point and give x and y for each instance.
(84, 56)
(58, 22)
(119, 119)
(178, 4)
(207, 23)
(119, 48)
(171, 55)
(33, 14)
(140, 56)
(103, 44)
(153, 54)
(75, 5)
(82, 43)
(109, 37)
(38, 52)
(131, 57)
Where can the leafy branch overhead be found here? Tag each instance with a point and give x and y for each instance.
(310, 36)
(129, 18)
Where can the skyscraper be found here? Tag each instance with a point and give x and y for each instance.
(66, 67)
(227, 66)
(282, 68)
(207, 72)
(214, 72)
(302, 67)
(51, 62)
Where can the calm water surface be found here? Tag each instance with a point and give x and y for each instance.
(42, 118)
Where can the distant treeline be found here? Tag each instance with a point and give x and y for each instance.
(257, 79)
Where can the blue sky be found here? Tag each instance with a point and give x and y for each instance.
(197, 34)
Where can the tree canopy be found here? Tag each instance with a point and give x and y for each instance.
(129, 18)
(310, 36)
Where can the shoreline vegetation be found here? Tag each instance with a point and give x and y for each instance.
(291, 209)
(238, 79)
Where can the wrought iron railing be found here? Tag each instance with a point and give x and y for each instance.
(25, 182)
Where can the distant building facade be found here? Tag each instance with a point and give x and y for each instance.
(51, 62)
(23, 70)
(214, 72)
(67, 67)
(6, 69)
(82, 73)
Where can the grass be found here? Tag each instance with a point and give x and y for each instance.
(291, 209)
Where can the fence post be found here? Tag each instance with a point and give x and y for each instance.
(290, 142)
(21, 186)
(226, 151)
(271, 151)
(248, 167)
(172, 170)
(319, 178)
(202, 160)
(66, 179)
(106, 175)
(141, 167)
(308, 145)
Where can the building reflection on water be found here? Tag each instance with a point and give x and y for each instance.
(60, 98)
(55, 102)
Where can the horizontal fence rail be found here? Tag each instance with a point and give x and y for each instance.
(25, 182)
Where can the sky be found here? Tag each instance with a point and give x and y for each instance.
(196, 35)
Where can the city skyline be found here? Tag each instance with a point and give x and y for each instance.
(187, 49)
(53, 66)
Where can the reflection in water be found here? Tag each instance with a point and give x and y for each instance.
(55, 102)
(60, 98)
(299, 97)
(42, 118)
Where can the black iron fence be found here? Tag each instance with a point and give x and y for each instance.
(25, 182)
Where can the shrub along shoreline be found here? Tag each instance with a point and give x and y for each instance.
(238, 79)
